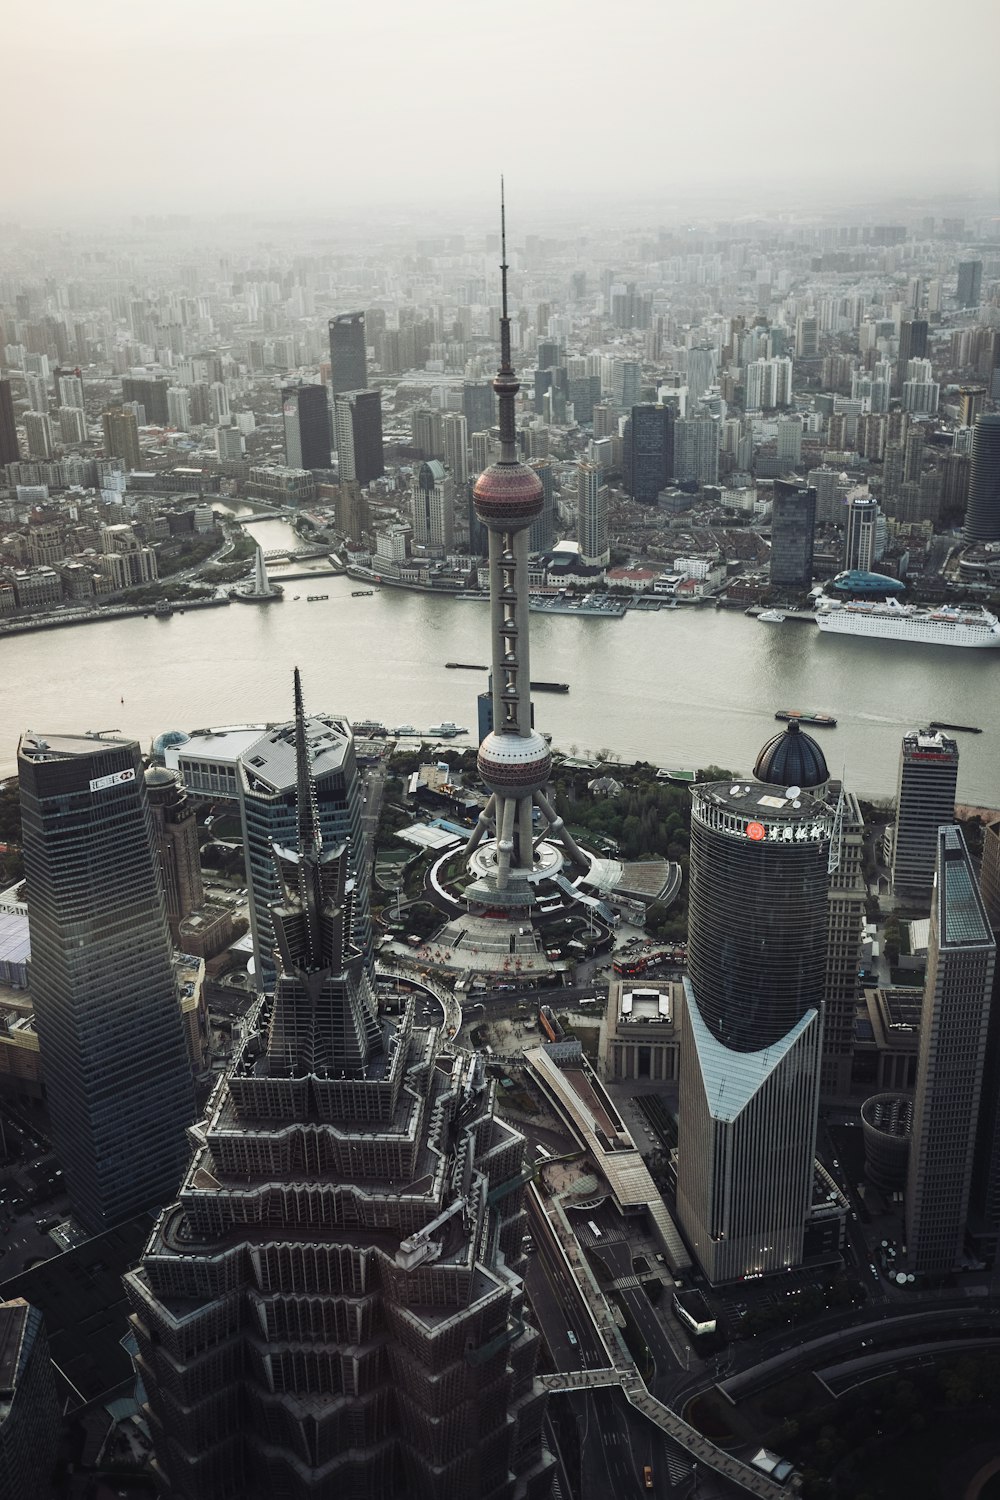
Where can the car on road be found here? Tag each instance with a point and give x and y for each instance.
(571, 1336)
(647, 1477)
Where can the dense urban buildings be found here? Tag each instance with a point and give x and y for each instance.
(925, 799)
(826, 352)
(116, 1067)
(332, 1305)
(954, 1023)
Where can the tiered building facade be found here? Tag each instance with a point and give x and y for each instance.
(333, 1309)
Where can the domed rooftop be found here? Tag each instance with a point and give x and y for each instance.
(168, 738)
(857, 581)
(508, 496)
(792, 759)
(161, 783)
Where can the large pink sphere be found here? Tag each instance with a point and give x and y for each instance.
(514, 765)
(508, 496)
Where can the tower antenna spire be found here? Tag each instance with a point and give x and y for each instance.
(506, 383)
(310, 840)
(503, 246)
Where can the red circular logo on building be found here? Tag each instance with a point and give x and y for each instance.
(756, 831)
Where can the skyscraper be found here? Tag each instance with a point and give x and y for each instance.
(912, 345)
(72, 425)
(982, 516)
(38, 434)
(357, 425)
(175, 839)
(38, 392)
(455, 435)
(793, 524)
(9, 451)
(696, 449)
(348, 353)
(266, 788)
(925, 799)
(592, 514)
(543, 528)
(479, 405)
(333, 1306)
(861, 516)
(954, 1021)
(29, 1406)
(970, 281)
(179, 408)
(846, 911)
(150, 394)
(750, 1063)
(69, 388)
(971, 402)
(767, 383)
(651, 455)
(106, 1012)
(433, 506)
(306, 415)
(984, 1202)
(121, 437)
(702, 362)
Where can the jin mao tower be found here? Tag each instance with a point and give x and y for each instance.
(333, 1308)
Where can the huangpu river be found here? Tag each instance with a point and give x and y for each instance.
(682, 688)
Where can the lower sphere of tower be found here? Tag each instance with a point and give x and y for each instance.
(513, 765)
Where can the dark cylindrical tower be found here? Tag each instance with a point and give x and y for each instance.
(982, 516)
(757, 910)
(757, 913)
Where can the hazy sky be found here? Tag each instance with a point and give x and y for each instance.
(324, 104)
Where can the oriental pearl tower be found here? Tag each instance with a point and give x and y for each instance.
(514, 761)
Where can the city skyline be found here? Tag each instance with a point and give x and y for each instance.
(705, 62)
(410, 1166)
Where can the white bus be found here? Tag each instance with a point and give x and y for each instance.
(543, 1155)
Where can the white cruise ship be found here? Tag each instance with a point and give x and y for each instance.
(889, 620)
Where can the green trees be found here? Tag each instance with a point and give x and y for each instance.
(647, 817)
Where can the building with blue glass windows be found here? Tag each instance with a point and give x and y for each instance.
(117, 1075)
